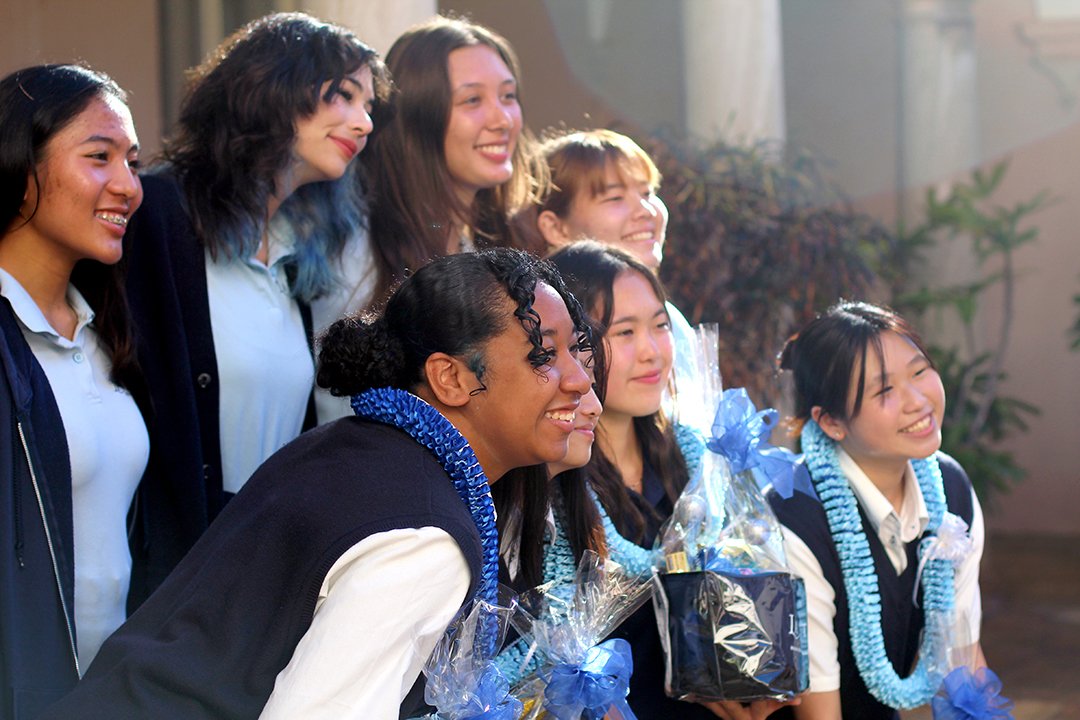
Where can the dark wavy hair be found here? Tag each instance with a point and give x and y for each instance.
(235, 136)
(591, 269)
(413, 201)
(35, 104)
(823, 356)
(454, 305)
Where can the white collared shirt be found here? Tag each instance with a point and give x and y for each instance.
(382, 607)
(265, 370)
(894, 530)
(108, 448)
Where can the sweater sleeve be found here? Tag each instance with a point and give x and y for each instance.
(382, 607)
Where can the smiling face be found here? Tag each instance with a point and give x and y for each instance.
(901, 413)
(89, 187)
(579, 450)
(485, 120)
(639, 349)
(526, 414)
(626, 214)
(332, 136)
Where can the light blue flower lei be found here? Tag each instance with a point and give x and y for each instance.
(427, 426)
(861, 582)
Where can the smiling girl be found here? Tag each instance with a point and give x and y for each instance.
(453, 160)
(322, 588)
(74, 444)
(237, 235)
(641, 460)
(604, 187)
(870, 403)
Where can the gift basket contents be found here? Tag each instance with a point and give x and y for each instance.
(731, 616)
(462, 683)
(565, 622)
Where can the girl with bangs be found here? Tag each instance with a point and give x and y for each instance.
(238, 234)
(604, 188)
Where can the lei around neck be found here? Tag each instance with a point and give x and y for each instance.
(861, 581)
(429, 428)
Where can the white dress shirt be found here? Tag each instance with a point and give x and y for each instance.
(895, 530)
(381, 609)
(108, 448)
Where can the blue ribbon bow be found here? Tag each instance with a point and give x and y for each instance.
(591, 688)
(741, 434)
(971, 696)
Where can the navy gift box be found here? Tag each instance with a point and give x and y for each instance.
(730, 636)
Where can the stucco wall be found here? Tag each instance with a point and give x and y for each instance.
(119, 37)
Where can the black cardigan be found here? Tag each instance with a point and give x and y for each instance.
(166, 286)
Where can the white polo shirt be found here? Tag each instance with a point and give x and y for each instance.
(264, 366)
(895, 531)
(108, 448)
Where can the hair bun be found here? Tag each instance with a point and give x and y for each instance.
(357, 354)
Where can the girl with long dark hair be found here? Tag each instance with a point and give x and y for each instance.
(74, 443)
(238, 233)
(453, 160)
(642, 460)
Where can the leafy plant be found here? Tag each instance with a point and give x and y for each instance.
(978, 416)
(759, 244)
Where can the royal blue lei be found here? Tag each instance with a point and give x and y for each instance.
(427, 426)
(861, 582)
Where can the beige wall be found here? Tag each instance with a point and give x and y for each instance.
(1041, 368)
(119, 37)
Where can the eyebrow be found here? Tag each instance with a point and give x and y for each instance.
(629, 318)
(109, 141)
(466, 86)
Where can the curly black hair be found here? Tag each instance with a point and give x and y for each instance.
(454, 305)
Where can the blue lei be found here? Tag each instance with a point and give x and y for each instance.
(861, 582)
(427, 426)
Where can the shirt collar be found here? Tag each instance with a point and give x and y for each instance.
(30, 314)
(913, 517)
(281, 240)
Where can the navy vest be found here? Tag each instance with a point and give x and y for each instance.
(902, 621)
(211, 640)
